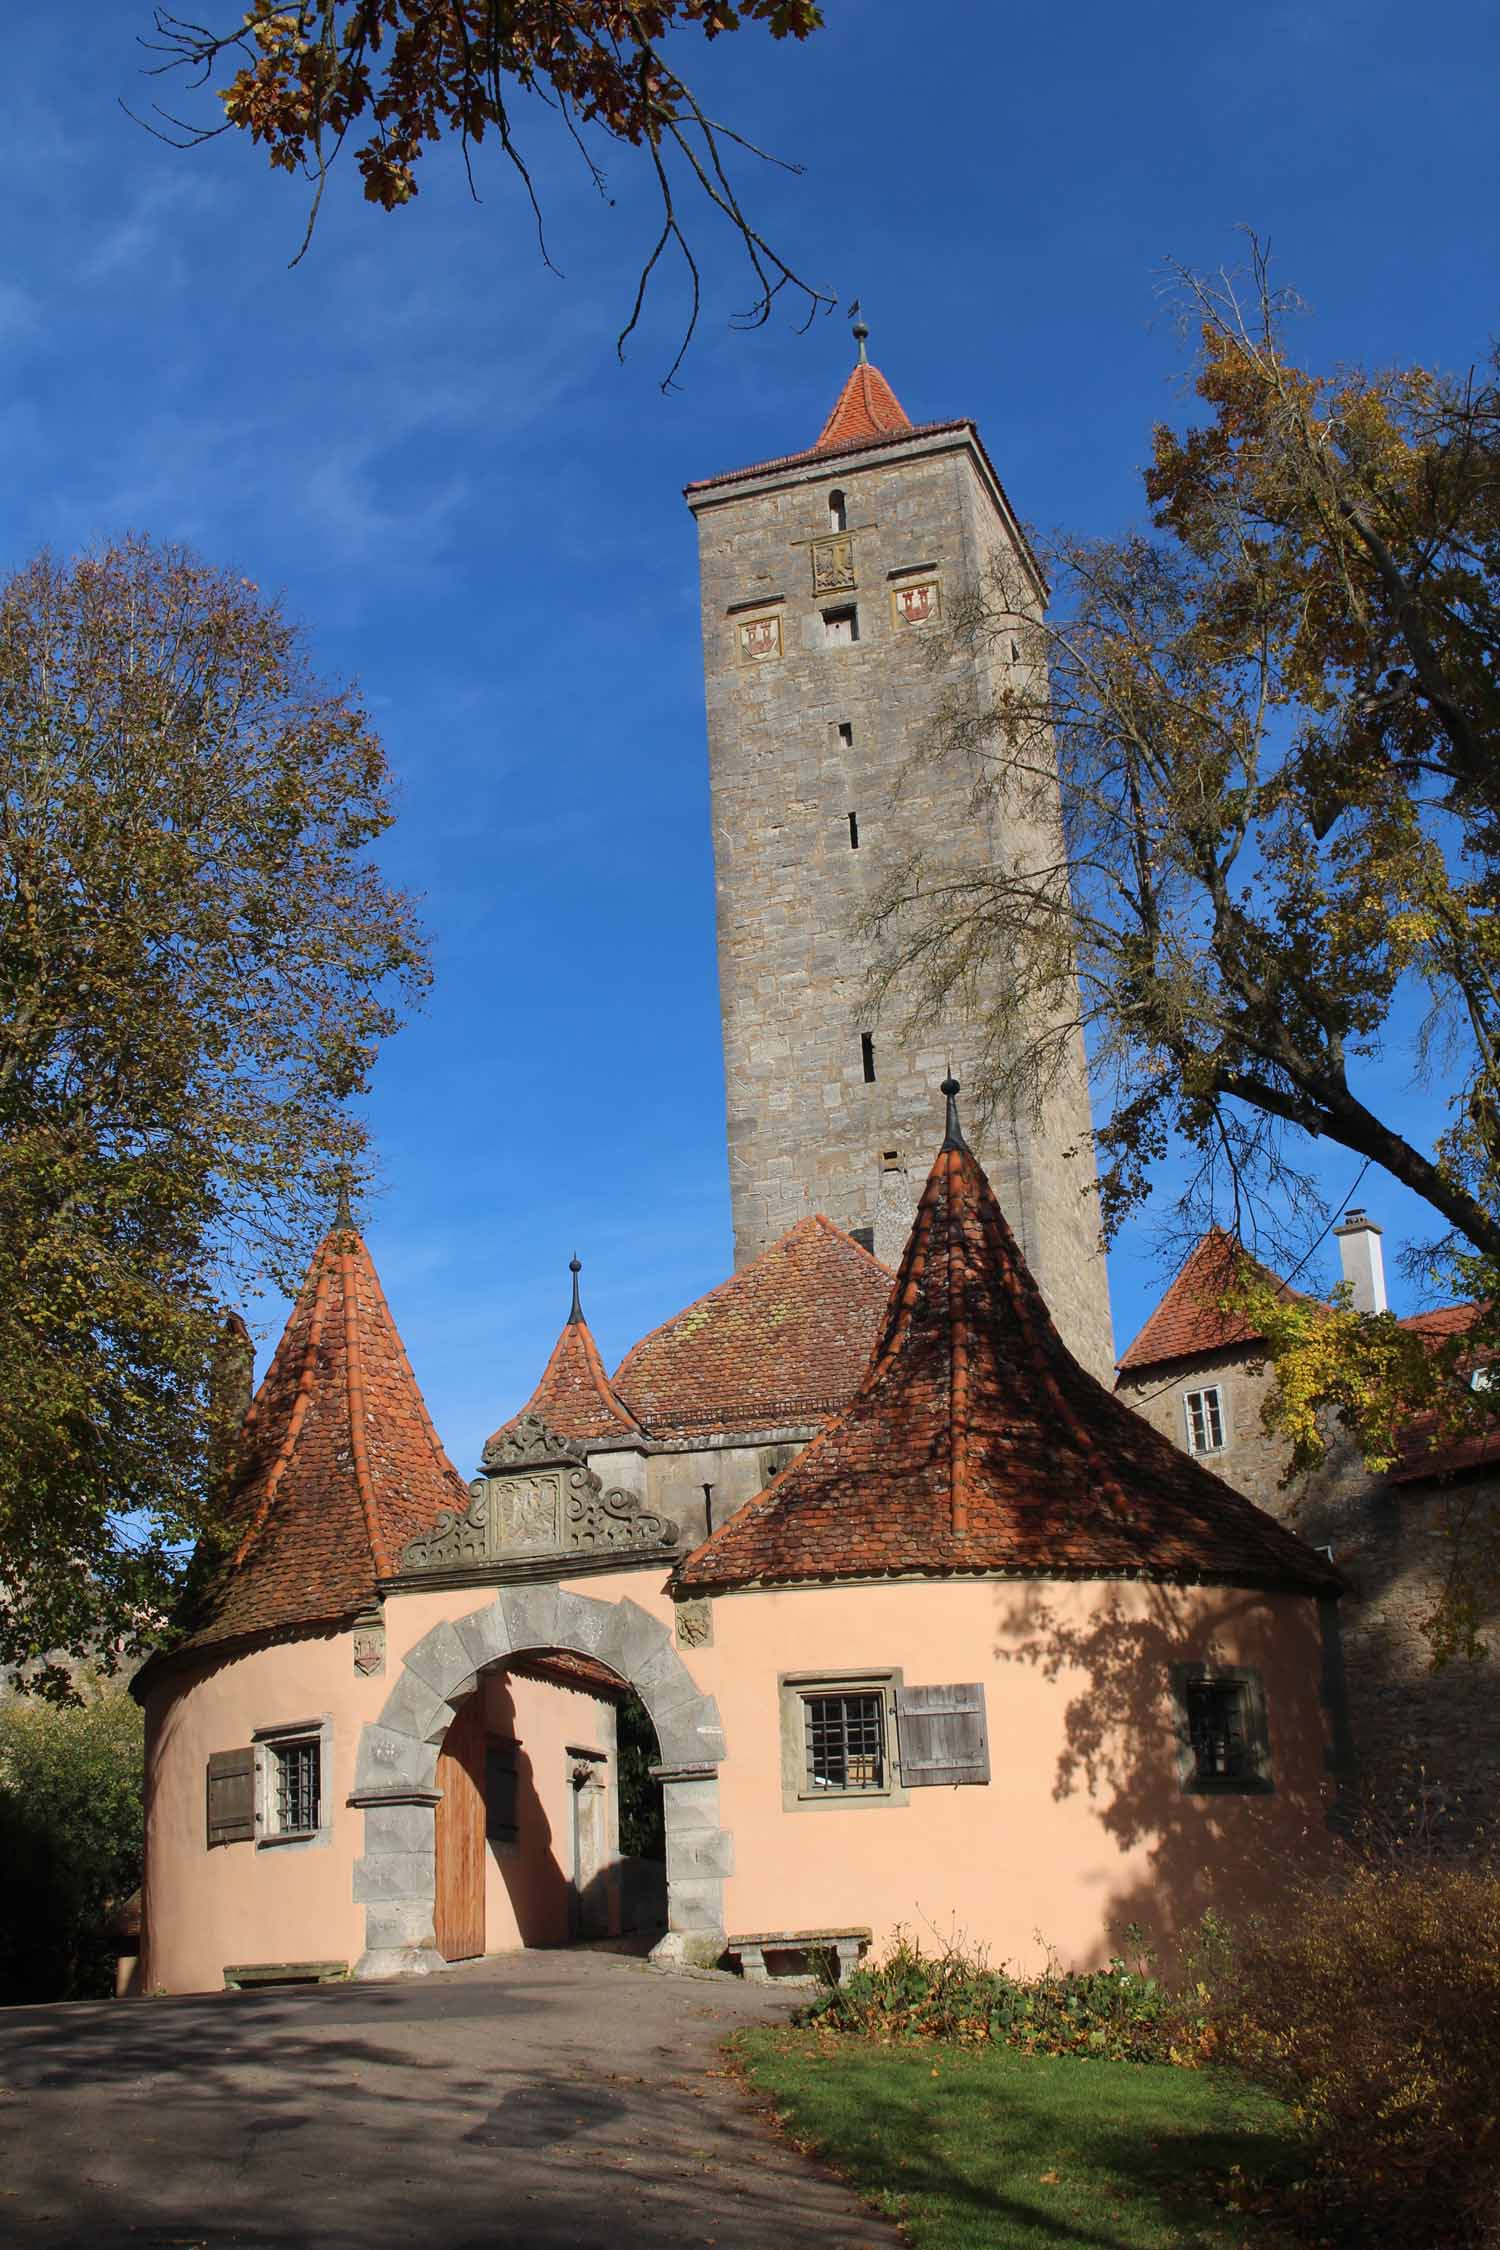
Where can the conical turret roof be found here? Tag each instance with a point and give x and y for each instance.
(866, 407)
(976, 1443)
(574, 1396)
(337, 1465)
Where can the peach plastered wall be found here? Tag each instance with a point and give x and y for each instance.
(245, 1903)
(1083, 1827)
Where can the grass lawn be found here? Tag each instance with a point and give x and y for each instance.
(971, 2147)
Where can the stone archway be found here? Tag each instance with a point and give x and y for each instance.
(396, 1773)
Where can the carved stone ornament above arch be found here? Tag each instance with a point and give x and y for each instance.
(396, 1768)
(540, 1497)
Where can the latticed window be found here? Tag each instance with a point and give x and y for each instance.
(1205, 1420)
(846, 1741)
(297, 1787)
(1218, 1729)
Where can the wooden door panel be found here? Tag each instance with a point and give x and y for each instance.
(458, 1920)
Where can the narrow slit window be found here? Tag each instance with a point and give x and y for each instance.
(854, 832)
(838, 514)
(846, 735)
(867, 1055)
(840, 627)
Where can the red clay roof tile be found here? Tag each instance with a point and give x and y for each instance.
(866, 407)
(977, 1443)
(1188, 1319)
(337, 1464)
(574, 1396)
(783, 1340)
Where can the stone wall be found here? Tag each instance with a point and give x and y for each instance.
(802, 736)
(1395, 1545)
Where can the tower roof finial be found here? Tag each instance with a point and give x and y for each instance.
(861, 332)
(953, 1137)
(575, 1268)
(343, 1213)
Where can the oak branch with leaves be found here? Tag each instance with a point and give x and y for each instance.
(1248, 768)
(198, 962)
(391, 78)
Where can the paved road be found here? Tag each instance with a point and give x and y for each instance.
(540, 2098)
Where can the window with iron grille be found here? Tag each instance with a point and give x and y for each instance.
(1216, 1729)
(290, 1763)
(846, 1741)
(839, 1741)
(1224, 1743)
(297, 1784)
(1205, 1419)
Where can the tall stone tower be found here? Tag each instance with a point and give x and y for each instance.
(824, 577)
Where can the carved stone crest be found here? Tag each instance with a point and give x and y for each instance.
(539, 1498)
(369, 1646)
(759, 639)
(832, 564)
(917, 603)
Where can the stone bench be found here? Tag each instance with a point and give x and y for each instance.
(241, 1975)
(751, 1950)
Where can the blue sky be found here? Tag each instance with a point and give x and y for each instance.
(423, 438)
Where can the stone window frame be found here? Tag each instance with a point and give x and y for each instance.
(1258, 1780)
(1218, 1390)
(265, 1742)
(793, 1690)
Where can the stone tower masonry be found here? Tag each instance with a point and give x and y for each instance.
(824, 575)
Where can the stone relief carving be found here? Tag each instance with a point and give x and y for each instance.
(540, 1498)
(695, 1624)
(832, 564)
(528, 1438)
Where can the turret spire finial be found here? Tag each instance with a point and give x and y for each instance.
(343, 1213)
(953, 1137)
(575, 1268)
(861, 332)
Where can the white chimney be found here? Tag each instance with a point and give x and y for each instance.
(1359, 1254)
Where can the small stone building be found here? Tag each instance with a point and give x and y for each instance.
(1199, 1375)
(986, 1656)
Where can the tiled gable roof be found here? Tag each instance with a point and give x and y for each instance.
(337, 1465)
(1189, 1320)
(783, 1340)
(866, 407)
(574, 1396)
(977, 1443)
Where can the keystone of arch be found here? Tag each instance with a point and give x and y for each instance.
(396, 1768)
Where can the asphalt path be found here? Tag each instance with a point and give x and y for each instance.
(569, 2098)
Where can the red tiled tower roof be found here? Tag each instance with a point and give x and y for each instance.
(1189, 1319)
(337, 1465)
(866, 407)
(574, 1396)
(976, 1443)
(783, 1340)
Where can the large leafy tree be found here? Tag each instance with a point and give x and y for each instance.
(198, 960)
(391, 78)
(1246, 777)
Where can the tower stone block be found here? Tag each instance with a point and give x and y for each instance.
(826, 578)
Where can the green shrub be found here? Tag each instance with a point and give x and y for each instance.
(1373, 2007)
(71, 1833)
(1120, 2013)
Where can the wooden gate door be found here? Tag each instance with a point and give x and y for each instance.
(458, 1920)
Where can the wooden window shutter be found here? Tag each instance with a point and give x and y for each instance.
(231, 1797)
(943, 1735)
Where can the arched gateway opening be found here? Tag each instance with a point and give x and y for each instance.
(396, 1778)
